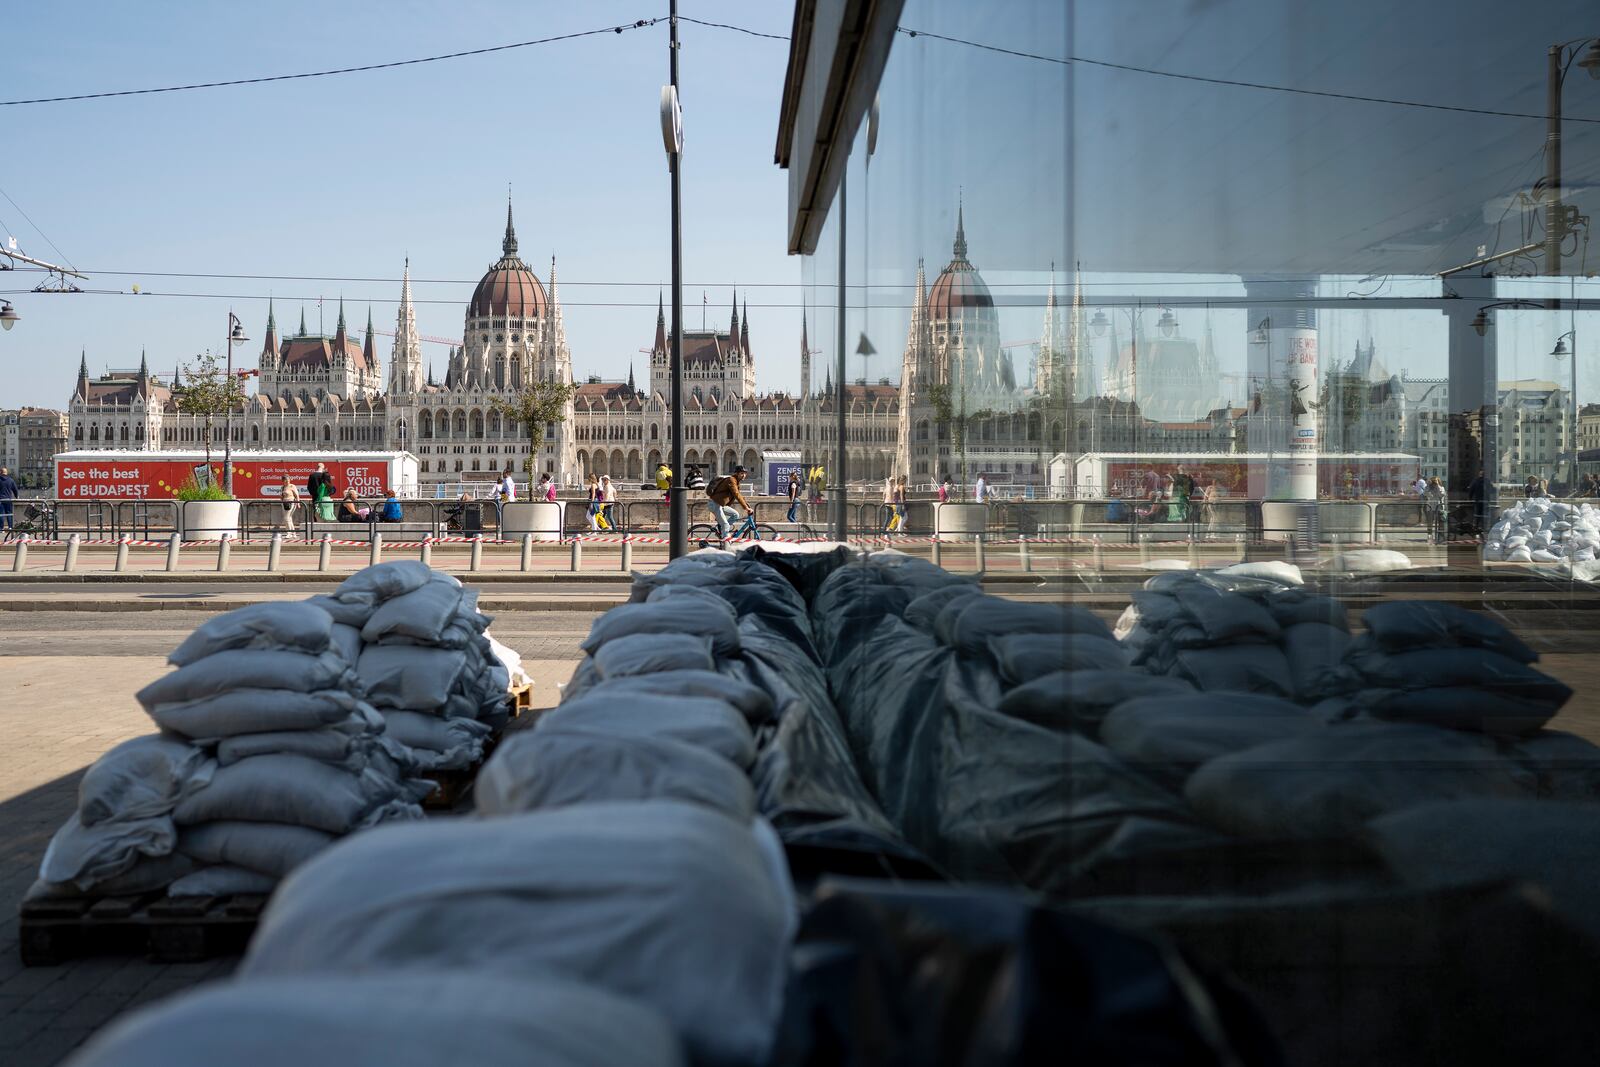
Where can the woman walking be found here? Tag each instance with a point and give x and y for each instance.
(591, 485)
(608, 501)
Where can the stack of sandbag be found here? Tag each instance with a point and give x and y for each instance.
(267, 754)
(1541, 530)
(423, 659)
(1250, 628)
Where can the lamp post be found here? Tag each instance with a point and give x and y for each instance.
(1558, 218)
(8, 315)
(235, 336)
(672, 138)
(1560, 351)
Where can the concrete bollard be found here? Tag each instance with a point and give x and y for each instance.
(938, 554)
(274, 549)
(375, 553)
(325, 552)
(477, 553)
(426, 554)
(977, 554)
(577, 555)
(173, 544)
(1144, 551)
(72, 555)
(527, 552)
(627, 555)
(1098, 555)
(122, 555)
(1194, 554)
(224, 550)
(1022, 554)
(19, 562)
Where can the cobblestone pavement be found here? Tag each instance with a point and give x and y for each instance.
(60, 710)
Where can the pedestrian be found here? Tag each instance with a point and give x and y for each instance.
(1182, 490)
(1433, 504)
(900, 503)
(664, 482)
(1477, 492)
(893, 518)
(547, 489)
(508, 487)
(980, 490)
(794, 494)
(289, 496)
(1531, 488)
(8, 493)
(321, 489)
(591, 486)
(944, 489)
(1208, 513)
(608, 501)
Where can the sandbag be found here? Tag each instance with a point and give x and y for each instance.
(289, 625)
(1276, 571)
(1080, 700)
(413, 678)
(967, 624)
(87, 855)
(1292, 608)
(553, 767)
(417, 1019)
(1239, 668)
(1316, 652)
(292, 790)
(346, 640)
(246, 668)
(663, 617)
(1483, 711)
(1370, 561)
(145, 874)
(419, 617)
(711, 724)
(693, 598)
(327, 745)
(221, 880)
(1429, 668)
(1168, 737)
(270, 848)
(662, 901)
(922, 611)
(382, 581)
(249, 711)
(1331, 782)
(1023, 657)
(650, 653)
(1406, 624)
(434, 734)
(1225, 617)
(140, 778)
(1568, 766)
(752, 701)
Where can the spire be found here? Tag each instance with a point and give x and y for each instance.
(509, 245)
(405, 360)
(744, 329)
(302, 332)
(559, 334)
(733, 325)
(369, 351)
(144, 365)
(269, 343)
(340, 327)
(1049, 356)
(805, 359)
(83, 374)
(961, 230)
(661, 325)
(430, 373)
(631, 387)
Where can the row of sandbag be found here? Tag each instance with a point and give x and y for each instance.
(284, 726)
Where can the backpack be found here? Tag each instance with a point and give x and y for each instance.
(717, 486)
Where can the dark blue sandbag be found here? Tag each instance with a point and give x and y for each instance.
(967, 625)
(806, 571)
(1080, 700)
(1168, 737)
(894, 974)
(1020, 658)
(1430, 668)
(1482, 711)
(1404, 624)
(925, 609)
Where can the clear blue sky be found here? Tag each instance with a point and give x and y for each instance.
(345, 176)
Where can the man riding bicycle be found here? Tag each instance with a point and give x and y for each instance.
(724, 493)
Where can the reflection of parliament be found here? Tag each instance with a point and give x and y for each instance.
(327, 393)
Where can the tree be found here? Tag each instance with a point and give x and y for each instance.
(208, 392)
(950, 411)
(538, 405)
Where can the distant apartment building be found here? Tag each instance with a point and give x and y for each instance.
(10, 439)
(41, 433)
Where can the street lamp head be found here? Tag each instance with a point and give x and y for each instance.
(1167, 324)
(8, 315)
(1099, 323)
(1590, 61)
(236, 335)
(1561, 351)
(1481, 323)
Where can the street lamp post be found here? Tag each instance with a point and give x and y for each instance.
(1558, 220)
(235, 336)
(1560, 351)
(672, 134)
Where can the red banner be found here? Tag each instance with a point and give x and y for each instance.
(253, 479)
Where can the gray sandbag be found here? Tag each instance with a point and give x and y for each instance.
(693, 598)
(650, 653)
(1552, 845)
(85, 856)
(1430, 668)
(409, 677)
(414, 1019)
(270, 848)
(1316, 651)
(353, 613)
(140, 778)
(1463, 707)
(221, 880)
(418, 617)
(383, 581)
(327, 745)
(249, 711)
(1293, 608)
(1021, 658)
(145, 875)
(663, 617)
(296, 791)
(1331, 782)
(925, 609)
(1167, 737)
(710, 724)
(1406, 624)
(290, 625)
(246, 668)
(1225, 617)
(967, 624)
(1239, 668)
(346, 640)
(669, 903)
(1080, 700)
(751, 700)
(1568, 766)
(434, 734)
(550, 768)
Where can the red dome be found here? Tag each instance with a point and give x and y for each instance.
(509, 288)
(959, 286)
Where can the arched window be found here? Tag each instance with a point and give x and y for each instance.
(477, 424)
(495, 426)
(255, 434)
(516, 372)
(729, 432)
(77, 433)
(327, 432)
(94, 432)
(461, 424)
(427, 424)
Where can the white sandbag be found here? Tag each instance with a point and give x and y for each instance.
(752, 701)
(270, 848)
(650, 653)
(420, 616)
(406, 676)
(1023, 657)
(1371, 561)
(666, 902)
(292, 790)
(1518, 554)
(510, 659)
(292, 625)
(1332, 782)
(141, 778)
(248, 711)
(664, 617)
(1271, 570)
(246, 668)
(222, 880)
(711, 724)
(1168, 737)
(86, 855)
(418, 1019)
(1239, 668)
(549, 768)
(1315, 652)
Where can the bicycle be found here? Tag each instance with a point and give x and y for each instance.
(37, 521)
(748, 530)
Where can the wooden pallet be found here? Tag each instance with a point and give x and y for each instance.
(455, 785)
(166, 929)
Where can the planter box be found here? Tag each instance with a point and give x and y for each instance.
(208, 520)
(960, 521)
(537, 518)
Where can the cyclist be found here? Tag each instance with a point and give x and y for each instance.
(724, 493)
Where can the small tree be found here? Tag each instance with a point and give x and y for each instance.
(950, 410)
(539, 405)
(207, 391)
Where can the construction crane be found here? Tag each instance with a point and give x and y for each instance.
(452, 342)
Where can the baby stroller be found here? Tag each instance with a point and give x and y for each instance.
(38, 519)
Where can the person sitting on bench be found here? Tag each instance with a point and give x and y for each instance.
(350, 509)
(391, 511)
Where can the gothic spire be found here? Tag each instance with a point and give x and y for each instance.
(631, 387)
(509, 245)
(83, 374)
(805, 359)
(340, 327)
(369, 350)
(302, 332)
(744, 329)
(733, 326)
(559, 334)
(405, 360)
(961, 231)
(661, 325)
